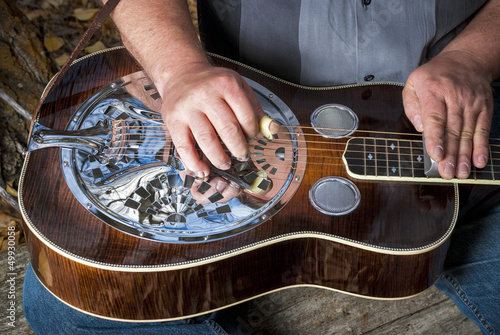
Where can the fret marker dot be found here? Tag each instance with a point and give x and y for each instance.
(419, 159)
(392, 146)
(370, 157)
(393, 169)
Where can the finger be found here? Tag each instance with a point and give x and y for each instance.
(239, 120)
(412, 106)
(434, 118)
(219, 185)
(465, 149)
(185, 148)
(209, 142)
(249, 120)
(452, 141)
(227, 126)
(481, 136)
(229, 190)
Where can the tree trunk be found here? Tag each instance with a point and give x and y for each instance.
(24, 71)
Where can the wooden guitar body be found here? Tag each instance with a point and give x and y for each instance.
(392, 245)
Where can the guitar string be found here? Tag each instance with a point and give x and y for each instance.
(398, 162)
(290, 126)
(392, 158)
(163, 128)
(374, 151)
(332, 142)
(380, 170)
(411, 170)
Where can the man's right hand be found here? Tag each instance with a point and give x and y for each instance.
(205, 104)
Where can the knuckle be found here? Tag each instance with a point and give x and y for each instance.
(174, 126)
(452, 134)
(185, 152)
(230, 130)
(466, 135)
(436, 118)
(248, 118)
(206, 138)
(227, 82)
(483, 132)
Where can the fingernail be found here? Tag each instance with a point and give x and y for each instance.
(200, 175)
(417, 122)
(463, 170)
(245, 158)
(482, 159)
(439, 152)
(449, 169)
(274, 127)
(225, 166)
(221, 186)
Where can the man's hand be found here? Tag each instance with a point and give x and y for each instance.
(205, 103)
(200, 102)
(450, 100)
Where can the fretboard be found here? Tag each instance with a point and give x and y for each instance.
(403, 160)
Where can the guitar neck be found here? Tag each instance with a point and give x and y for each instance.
(403, 160)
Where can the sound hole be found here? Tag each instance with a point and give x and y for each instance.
(334, 121)
(334, 196)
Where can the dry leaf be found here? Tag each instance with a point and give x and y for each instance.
(34, 14)
(98, 46)
(7, 220)
(11, 189)
(62, 59)
(53, 43)
(4, 246)
(51, 3)
(84, 14)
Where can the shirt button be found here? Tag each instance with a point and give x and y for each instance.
(369, 77)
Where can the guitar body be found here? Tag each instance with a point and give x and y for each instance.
(392, 245)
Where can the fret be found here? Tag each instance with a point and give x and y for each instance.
(392, 149)
(418, 159)
(370, 161)
(492, 163)
(405, 159)
(381, 157)
(495, 159)
(481, 174)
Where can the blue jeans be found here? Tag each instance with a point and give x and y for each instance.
(47, 315)
(472, 271)
(471, 276)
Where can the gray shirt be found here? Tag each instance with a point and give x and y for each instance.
(333, 42)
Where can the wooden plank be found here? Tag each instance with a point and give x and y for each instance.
(307, 310)
(319, 311)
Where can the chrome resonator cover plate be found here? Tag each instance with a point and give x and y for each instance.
(132, 179)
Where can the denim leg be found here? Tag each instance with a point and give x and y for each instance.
(47, 315)
(472, 270)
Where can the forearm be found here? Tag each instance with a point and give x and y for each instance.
(201, 104)
(481, 39)
(160, 35)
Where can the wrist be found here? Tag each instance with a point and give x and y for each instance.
(167, 75)
(467, 59)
